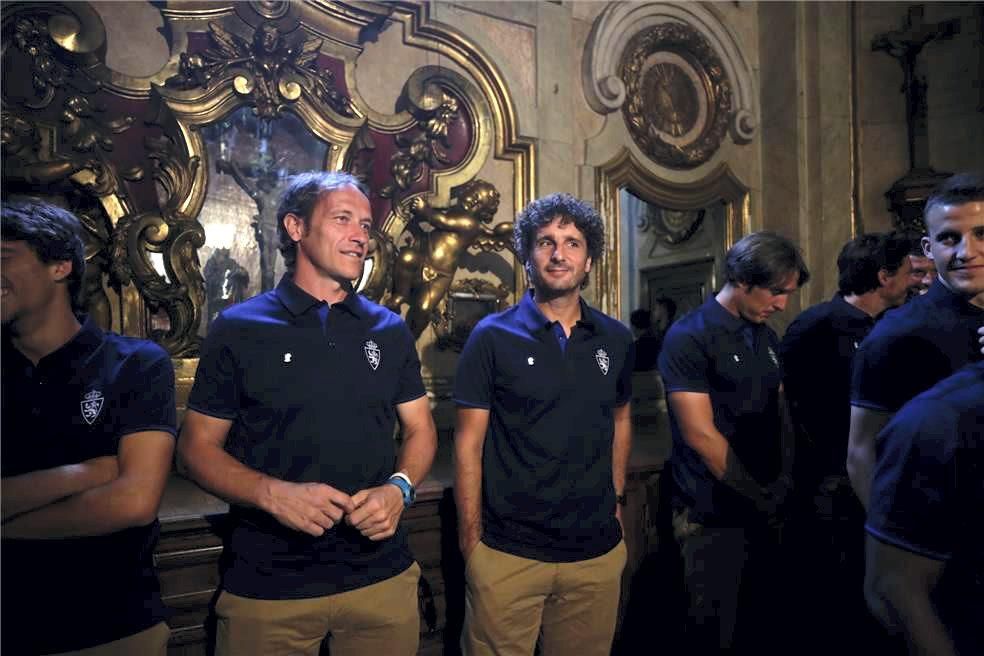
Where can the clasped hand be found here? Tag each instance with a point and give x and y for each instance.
(314, 508)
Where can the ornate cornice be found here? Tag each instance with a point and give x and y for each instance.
(620, 22)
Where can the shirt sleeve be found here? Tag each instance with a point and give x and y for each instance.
(683, 364)
(216, 391)
(891, 369)
(913, 492)
(474, 381)
(147, 402)
(411, 385)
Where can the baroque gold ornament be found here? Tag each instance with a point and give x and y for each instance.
(678, 97)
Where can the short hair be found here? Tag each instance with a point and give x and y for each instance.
(641, 319)
(53, 233)
(300, 198)
(967, 187)
(543, 211)
(762, 259)
(863, 257)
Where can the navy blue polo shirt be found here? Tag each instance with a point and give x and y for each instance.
(927, 494)
(312, 393)
(736, 363)
(547, 491)
(817, 355)
(913, 347)
(75, 405)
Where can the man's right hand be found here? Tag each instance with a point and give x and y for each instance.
(311, 508)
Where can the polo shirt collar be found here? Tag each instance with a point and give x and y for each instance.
(534, 319)
(940, 294)
(844, 308)
(719, 315)
(297, 301)
(84, 342)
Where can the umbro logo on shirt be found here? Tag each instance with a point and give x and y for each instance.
(91, 405)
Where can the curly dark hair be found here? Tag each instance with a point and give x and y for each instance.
(300, 198)
(543, 211)
(53, 233)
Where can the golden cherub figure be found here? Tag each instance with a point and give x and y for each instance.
(425, 267)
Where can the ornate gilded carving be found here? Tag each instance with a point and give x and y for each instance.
(274, 72)
(678, 97)
(672, 227)
(434, 110)
(437, 238)
(180, 294)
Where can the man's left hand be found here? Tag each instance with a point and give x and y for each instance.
(377, 511)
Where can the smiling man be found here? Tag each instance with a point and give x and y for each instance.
(541, 450)
(930, 337)
(88, 435)
(291, 420)
(732, 455)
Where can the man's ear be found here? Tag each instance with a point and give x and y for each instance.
(883, 277)
(294, 226)
(927, 251)
(61, 270)
(587, 265)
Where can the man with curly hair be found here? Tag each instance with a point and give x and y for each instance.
(541, 450)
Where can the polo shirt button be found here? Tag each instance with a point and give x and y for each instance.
(331, 344)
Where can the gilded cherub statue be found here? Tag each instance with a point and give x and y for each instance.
(424, 267)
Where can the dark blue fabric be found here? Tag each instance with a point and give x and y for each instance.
(308, 405)
(91, 590)
(547, 491)
(817, 354)
(913, 347)
(927, 494)
(709, 351)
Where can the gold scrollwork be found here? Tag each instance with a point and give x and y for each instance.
(453, 325)
(678, 97)
(271, 69)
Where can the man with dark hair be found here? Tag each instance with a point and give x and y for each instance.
(923, 271)
(88, 435)
(930, 337)
(291, 420)
(925, 546)
(817, 353)
(732, 455)
(541, 451)
(647, 340)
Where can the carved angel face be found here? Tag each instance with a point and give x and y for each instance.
(481, 199)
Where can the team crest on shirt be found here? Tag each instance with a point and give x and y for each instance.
(91, 405)
(371, 349)
(772, 354)
(601, 357)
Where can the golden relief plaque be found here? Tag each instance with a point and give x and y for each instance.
(678, 98)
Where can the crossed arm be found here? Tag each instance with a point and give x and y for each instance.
(96, 497)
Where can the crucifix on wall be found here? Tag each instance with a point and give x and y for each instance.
(908, 195)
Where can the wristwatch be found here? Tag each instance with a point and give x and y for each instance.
(621, 499)
(402, 481)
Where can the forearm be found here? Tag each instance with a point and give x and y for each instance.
(865, 426)
(36, 489)
(214, 469)
(417, 454)
(621, 447)
(468, 490)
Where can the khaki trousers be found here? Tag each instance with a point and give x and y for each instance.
(382, 618)
(510, 600)
(149, 642)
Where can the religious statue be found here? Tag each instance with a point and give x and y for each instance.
(226, 282)
(425, 266)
